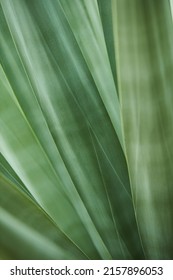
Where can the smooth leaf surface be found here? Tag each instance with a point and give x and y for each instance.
(26, 232)
(22, 150)
(58, 73)
(86, 129)
(144, 37)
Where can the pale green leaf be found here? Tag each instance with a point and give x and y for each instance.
(144, 50)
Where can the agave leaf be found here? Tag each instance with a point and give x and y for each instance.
(105, 10)
(144, 40)
(20, 147)
(58, 73)
(26, 232)
(84, 20)
(8, 172)
(58, 166)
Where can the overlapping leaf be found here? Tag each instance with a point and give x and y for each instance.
(64, 66)
(144, 37)
(26, 231)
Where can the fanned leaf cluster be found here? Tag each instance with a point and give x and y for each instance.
(86, 129)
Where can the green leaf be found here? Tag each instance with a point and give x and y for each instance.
(84, 20)
(74, 123)
(26, 232)
(144, 40)
(8, 172)
(105, 10)
(23, 151)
